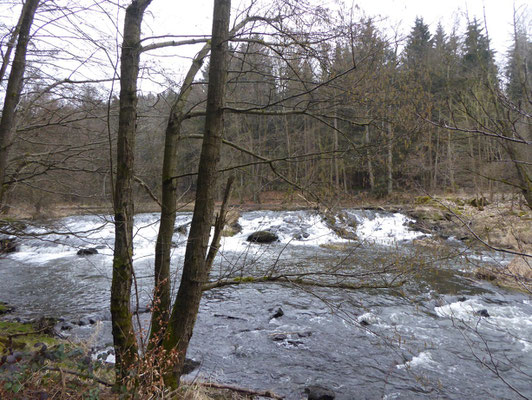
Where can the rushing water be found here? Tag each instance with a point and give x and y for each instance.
(426, 339)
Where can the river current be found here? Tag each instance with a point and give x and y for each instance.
(439, 335)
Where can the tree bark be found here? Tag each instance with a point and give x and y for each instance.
(389, 160)
(123, 333)
(14, 88)
(163, 246)
(195, 268)
(369, 160)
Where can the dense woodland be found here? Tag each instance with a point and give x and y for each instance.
(347, 111)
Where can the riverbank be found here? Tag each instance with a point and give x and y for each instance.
(36, 363)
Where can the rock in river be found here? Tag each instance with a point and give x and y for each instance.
(316, 392)
(8, 245)
(262, 237)
(87, 252)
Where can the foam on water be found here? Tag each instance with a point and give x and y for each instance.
(502, 317)
(386, 229)
(294, 228)
(297, 228)
(423, 359)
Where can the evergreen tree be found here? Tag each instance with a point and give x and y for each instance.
(418, 46)
(477, 58)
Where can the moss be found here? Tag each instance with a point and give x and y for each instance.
(5, 308)
(244, 279)
(422, 200)
(26, 338)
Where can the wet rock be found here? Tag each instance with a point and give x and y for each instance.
(8, 245)
(279, 337)
(190, 365)
(182, 229)
(462, 299)
(483, 313)
(301, 236)
(363, 322)
(46, 325)
(87, 252)
(5, 308)
(66, 326)
(232, 227)
(294, 343)
(278, 313)
(304, 334)
(262, 237)
(316, 392)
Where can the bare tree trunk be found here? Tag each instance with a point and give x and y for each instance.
(436, 159)
(389, 161)
(335, 155)
(123, 334)
(450, 161)
(195, 268)
(163, 247)
(370, 162)
(521, 156)
(14, 89)
(11, 44)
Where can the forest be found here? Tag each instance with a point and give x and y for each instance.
(345, 112)
(286, 105)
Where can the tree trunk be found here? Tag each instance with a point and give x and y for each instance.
(370, 162)
(123, 334)
(389, 161)
(14, 89)
(521, 156)
(163, 247)
(195, 268)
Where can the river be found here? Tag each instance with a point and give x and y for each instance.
(439, 335)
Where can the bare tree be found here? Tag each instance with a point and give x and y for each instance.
(14, 87)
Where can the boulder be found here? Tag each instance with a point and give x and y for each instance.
(262, 237)
(232, 227)
(316, 392)
(87, 252)
(278, 313)
(483, 313)
(8, 245)
(190, 365)
(520, 268)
